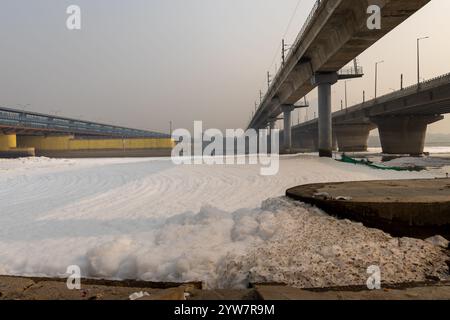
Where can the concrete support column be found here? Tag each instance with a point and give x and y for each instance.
(404, 134)
(287, 112)
(7, 142)
(271, 128)
(324, 81)
(353, 137)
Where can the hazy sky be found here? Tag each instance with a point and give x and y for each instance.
(142, 63)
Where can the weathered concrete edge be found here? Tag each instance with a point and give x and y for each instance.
(115, 283)
(363, 212)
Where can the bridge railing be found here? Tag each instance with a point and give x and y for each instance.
(351, 71)
(307, 23)
(300, 35)
(431, 83)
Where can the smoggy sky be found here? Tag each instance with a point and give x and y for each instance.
(142, 63)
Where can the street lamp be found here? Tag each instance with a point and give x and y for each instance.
(418, 58)
(376, 76)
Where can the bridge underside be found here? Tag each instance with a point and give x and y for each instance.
(336, 35)
(353, 137)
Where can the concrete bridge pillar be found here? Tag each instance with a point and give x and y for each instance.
(271, 128)
(7, 141)
(324, 81)
(404, 134)
(287, 112)
(353, 137)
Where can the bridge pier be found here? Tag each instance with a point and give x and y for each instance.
(353, 137)
(404, 134)
(287, 112)
(324, 81)
(271, 128)
(7, 142)
(8, 147)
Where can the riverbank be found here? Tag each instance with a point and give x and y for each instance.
(22, 288)
(225, 226)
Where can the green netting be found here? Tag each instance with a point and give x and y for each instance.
(371, 164)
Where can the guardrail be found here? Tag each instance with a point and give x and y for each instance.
(431, 83)
(351, 71)
(34, 121)
(308, 20)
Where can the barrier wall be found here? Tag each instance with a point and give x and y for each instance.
(69, 143)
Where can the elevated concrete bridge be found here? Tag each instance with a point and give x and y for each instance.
(402, 118)
(334, 34)
(30, 133)
(23, 122)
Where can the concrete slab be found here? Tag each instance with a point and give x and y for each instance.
(217, 295)
(22, 288)
(413, 208)
(420, 292)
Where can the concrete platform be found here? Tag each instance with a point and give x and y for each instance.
(106, 153)
(24, 288)
(413, 208)
(439, 291)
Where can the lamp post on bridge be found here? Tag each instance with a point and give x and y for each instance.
(418, 58)
(376, 76)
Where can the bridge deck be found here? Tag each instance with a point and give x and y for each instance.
(334, 34)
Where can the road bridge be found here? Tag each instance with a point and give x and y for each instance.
(401, 117)
(334, 34)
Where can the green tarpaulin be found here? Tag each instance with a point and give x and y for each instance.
(371, 164)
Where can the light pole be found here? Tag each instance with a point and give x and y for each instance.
(376, 76)
(418, 58)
